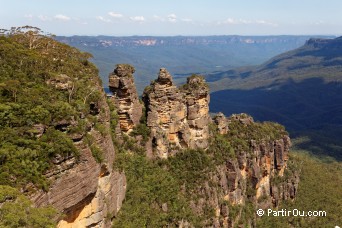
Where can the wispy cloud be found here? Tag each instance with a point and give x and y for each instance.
(62, 17)
(172, 17)
(137, 18)
(115, 15)
(232, 21)
(100, 18)
(44, 18)
(263, 22)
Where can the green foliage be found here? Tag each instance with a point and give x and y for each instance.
(43, 83)
(220, 148)
(101, 128)
(149, 186)
(114, 117)
(142, 129)
(191, 168)
(16, 211)
(24, 158)
(97, 153)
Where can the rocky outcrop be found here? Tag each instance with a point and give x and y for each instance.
(121, 84)
(166, 115)
(254, 176)
(178, 118)
(197, 101)
(250, 174)
(87, 192)
(221, 123)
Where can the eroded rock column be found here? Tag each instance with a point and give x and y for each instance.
(197, 101)
(121, 84)
(166, 115)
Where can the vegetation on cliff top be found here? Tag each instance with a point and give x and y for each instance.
(45, 87)
(47, 90)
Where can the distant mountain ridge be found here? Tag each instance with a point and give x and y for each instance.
(317, 58)
(301, 89)
(106, 41)
(181, 55)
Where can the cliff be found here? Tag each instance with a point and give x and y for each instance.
(86, 189)
(56, 141)
(256, 176)
(225, 168)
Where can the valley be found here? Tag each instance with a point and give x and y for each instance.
(301, 89)
(181, 55)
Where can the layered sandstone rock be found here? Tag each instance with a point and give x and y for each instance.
(166, 115)
(121, 84)
(178, 118)
(254, 175)
(197, 101)
(88, 193)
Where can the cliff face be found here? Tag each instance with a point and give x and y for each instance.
(254, 178)
(56, 148)
(86, 191)
(178, 118)
(248, 159)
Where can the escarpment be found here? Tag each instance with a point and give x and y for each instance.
(256, 176)
(243, 163)
(57, 147)
(86, 189)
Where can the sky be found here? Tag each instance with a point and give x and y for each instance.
(176, 17)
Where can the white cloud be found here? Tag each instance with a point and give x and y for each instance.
(266, 23)
(100, 18)
(137, 18)
(172, 17)
(115, 15)
(62, 17)
(44, 18)
(232, 21)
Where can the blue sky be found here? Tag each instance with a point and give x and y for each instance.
(176, 17)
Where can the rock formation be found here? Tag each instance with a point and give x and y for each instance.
(197, 101)
(255, 175)
(87, 192)
(178, 118)
(121, 84)
(166, 115)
